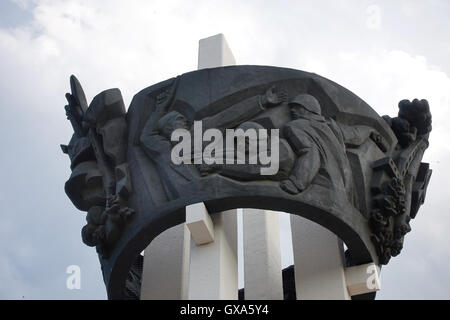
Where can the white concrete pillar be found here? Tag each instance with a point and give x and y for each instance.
(318, 262)
(213, 267)
(171, 253)
(199, 223)
(262, 258)
(214, 52)
(166, 266)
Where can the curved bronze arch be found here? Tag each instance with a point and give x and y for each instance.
(345, 167)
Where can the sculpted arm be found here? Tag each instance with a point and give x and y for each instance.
(151, 141)
(354, 136)
(244, 110)
(308, 163)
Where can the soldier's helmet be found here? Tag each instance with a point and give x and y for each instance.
(308, 102)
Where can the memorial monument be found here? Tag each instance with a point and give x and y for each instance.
(340, 164)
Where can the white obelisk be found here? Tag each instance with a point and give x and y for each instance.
(213, 273)
(320, 272)
(204, 265)
(318, 262)
(262, 257)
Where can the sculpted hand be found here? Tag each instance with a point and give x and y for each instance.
(273, 98)
(289, 187)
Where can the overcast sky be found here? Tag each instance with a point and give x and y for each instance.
(383, 51)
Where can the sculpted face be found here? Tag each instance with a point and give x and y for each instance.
(180, 122)
(172, 121)
(297, 111)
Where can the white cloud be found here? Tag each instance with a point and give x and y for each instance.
(384, 78)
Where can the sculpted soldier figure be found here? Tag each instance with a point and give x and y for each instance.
(156, 141)
(320, 145)
(248, 172)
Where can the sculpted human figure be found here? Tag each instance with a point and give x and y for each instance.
(320, 145)
(247, 171)
(100, 182)
(156, 140)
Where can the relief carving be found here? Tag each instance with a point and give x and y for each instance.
(337, 162)
(400, 181)
(100, 181)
